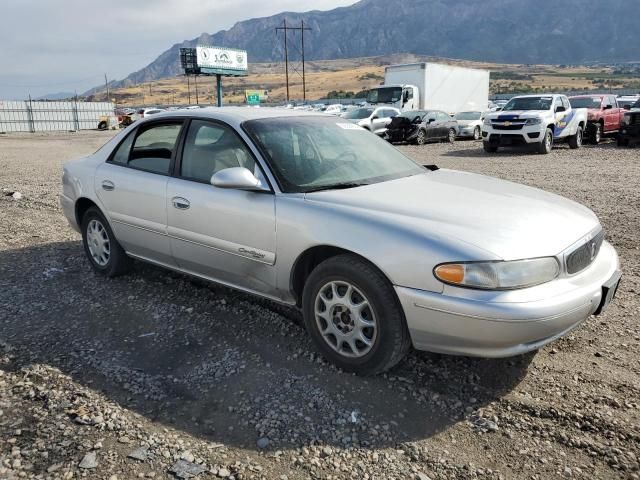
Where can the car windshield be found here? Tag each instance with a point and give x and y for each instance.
(316, 153)
(358, 114)
(528, 103)
(469, 116)
(585, 102)
(384, 95)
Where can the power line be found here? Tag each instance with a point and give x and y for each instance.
(300, 29)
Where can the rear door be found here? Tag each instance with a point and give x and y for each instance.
(132, 187)
(223, 234)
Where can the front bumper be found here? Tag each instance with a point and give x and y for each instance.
(466, 132)
(503, 324)
(630, 132)
(526, 135)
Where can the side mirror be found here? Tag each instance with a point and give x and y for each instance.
(431, 120)
(560, 109)
(608, 107)
(375, 117)
(238, 178)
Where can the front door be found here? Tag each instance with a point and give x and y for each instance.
(223, 234)
(132, 187)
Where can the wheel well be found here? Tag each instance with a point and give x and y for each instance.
(82, 205)
(552, 127)
(307, 262)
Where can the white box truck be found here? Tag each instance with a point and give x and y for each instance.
(433, 86)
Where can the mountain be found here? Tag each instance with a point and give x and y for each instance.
(56, 96)
(501, 31)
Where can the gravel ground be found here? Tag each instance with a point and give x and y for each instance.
(155, 374)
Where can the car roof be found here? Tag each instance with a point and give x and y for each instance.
(554, 95)
(237, 115)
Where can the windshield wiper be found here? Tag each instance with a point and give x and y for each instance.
(336, 186)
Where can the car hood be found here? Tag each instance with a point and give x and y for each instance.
(468, 123)
(509, 220)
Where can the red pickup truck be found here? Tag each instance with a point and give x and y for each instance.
(604, 115)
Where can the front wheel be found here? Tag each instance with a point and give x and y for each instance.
(105, 254)
(102, 125)
(575, 141)
(596, 136)
(489, 148)
(623, 142)
(546, 145)
(421, 138)
(451, 137)
(477, 133)
(354, 317)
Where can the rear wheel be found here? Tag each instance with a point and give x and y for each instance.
(451, 137)
(546, 145)
(105, 254)
(354, 317)
(102, 125)
(575, 141)
(477, 133)
(489, 148)
(421, 138)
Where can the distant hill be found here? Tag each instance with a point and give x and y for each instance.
(501, 31)
(56, 96)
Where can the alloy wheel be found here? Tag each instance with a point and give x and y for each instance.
(345, 319)
(98, 242)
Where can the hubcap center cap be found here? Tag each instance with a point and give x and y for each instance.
(342, 319)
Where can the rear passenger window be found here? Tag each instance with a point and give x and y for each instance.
(121, 157)
(154, 147)
(211, 147)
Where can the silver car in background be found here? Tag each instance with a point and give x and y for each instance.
(374, 119)
(470, 124)
(378, 252)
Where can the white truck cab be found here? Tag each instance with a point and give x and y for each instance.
(535, 120)
(402, 97)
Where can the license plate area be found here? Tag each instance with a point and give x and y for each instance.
(609, 290)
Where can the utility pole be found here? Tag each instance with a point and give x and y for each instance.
(196, 82)
(189, 89)
(106, 84)
(301, 29)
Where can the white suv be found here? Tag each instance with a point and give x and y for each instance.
(534, 120)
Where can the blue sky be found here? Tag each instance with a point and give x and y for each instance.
(68, 45)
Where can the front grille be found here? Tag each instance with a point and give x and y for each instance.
(582, 257)
(635, 119)
(513, 126)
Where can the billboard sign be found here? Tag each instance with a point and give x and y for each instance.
(218, 58)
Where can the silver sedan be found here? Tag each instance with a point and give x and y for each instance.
(378, 252)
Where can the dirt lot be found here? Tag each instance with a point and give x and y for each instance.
(162, 368)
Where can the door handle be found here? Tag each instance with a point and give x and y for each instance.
(181, 203)
(108, 185)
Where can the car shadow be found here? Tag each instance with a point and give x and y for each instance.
(223, 365)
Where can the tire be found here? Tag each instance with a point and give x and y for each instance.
(489, 148)
(623, 142)
(451, 137)
(477, 134)
(382, 321)
(107, 258)
(546, 145)
(575, 141)
(421, 138)
(102, 126)
(596, 136)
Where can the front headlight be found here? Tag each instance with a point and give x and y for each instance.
(487, 122)
(533, 121)
(625, 119)
(499, 275)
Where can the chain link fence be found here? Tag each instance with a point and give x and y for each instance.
(45, 116)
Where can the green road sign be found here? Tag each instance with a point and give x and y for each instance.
(253, 99)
